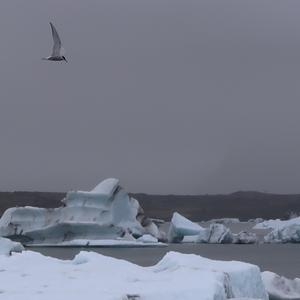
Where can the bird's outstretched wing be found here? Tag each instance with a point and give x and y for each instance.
(56, 51)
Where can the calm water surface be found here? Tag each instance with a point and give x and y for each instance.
(283, 259)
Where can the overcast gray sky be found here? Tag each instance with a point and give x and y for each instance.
(168, 96)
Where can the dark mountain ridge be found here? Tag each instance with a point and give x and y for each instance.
(243, 205)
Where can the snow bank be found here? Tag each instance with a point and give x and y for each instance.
(7, 246)
(93, 276)
(106, 212)
(279, 287)
(240, 279)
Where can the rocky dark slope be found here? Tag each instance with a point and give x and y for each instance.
(243, 205)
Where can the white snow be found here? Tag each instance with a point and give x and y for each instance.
(279, 287)
(7, 246)
(107, 212)
(147, 238)
(93, 276)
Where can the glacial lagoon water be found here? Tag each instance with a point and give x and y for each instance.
(283, 259)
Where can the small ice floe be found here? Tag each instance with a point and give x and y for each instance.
(281, 288)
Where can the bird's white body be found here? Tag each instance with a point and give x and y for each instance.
(57, 51)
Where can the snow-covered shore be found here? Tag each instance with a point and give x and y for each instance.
(7, 247)
(30, 275)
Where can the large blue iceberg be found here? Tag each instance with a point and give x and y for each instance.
(105, 213)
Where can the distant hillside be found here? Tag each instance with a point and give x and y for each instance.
(244, 205)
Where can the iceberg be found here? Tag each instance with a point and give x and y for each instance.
(91, 275)
(185, 231)
(276, 224)
(7, 246)
(279, 287)
(256, 220)
(287, 231)
(147, 238)
(119, 243)
(181, 227)
(220, 234)
(245, 237)
(225, 221)
(288, 234)
(106, 212)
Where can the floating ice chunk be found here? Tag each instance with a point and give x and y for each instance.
(245, 237)
(279, 287)
(202, 237)
(7, 246)
(225, 220)
(147, 238)
(185, 231)
(215, 234)
(181, 226)
(277, 224)
(119, 243)
(287, 231)
(287, 234)
(220, 234)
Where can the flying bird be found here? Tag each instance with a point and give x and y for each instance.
(58, 50)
